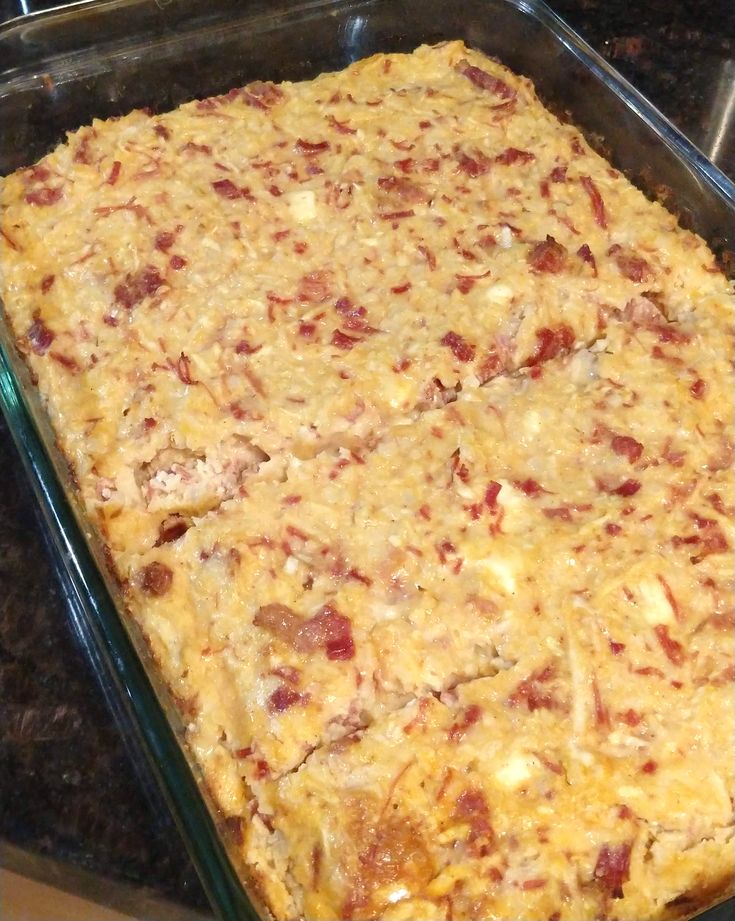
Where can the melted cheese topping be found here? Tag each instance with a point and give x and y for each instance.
(408, 424)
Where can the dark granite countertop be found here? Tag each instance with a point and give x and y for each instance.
(76, 807)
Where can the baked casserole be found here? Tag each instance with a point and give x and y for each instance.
(407, 424)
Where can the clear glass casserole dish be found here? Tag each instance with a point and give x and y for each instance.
(102, 58)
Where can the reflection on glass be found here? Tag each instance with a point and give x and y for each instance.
(717, 141)
(353, 40)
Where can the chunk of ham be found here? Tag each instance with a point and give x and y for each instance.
(328, 630)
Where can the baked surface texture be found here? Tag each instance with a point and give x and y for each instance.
(407, 423)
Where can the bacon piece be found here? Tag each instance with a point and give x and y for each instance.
(330, 630)
(183, 369)
(403, 364)
(626, 446)
(165, 239)
(44, 196)
(717, 503)
(243, 347)
(468, 718)
(625, 489)
(598, 205)
(190, 146)
(642, 312)
(585, 254)
(39, 173)
(403, 188)
(529, 486)
(547, 256)
(261, 95)
(443, 549)
(465, 253)
(83, 154)
(355, 573)
(357, 323)
(274, 298)
(9, 240)
(311, 148)
(471, 802)
(711, 539)
(485, 81)
(172, 528)
(162, 132)
(631, 266)
(280, 621)
(530, 691)
(47, 283)
(461, 348)
(602, 717)
(673, 650)
(262, 769)
(471, 806)
(473, 166)
(177, 262)
(466, 283)
(342, 127)
(343, 341)
(401, 289)
(316, 865)
(114, 173)
(156, 578)
(513, 155)
(649, 670)
(562, 512)
(288, 673)
(66, 361)
(428, 256)
(612, 868)
(550, 342)
(667, 333)
(558, 174)
(459, 469)
(698, 389)
(137, 286)
(491, 494)
(577, 147)
(138, 210)
(353, 318)
(39, 335)
(226, 188)
(496, 359)
(285, 697)
(396, 215)
(315, 287)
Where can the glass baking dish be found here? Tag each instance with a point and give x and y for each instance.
(101, 58)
